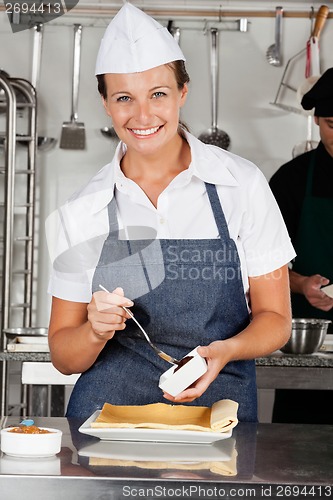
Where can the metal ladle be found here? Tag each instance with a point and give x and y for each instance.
(109, 132)
(214, 135)
(273, 54)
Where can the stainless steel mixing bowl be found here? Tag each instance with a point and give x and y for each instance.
(307, 336)
(26, 332)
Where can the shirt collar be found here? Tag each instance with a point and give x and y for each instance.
(209, 164)
(99, 191)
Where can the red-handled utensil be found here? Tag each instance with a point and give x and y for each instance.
(312, 46)
(312, 74)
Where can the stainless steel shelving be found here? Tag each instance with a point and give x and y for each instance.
(17, 210)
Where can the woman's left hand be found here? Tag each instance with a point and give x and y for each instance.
(268, 330)
(216, 358)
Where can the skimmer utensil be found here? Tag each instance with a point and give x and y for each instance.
(160, 353)
(109, 133)
(273, 54)
(214, 135)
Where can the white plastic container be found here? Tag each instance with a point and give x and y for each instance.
(173, 382)
(31, 445)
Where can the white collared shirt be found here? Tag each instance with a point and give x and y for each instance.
(183, 212)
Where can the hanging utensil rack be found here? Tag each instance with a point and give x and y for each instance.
(19, 99)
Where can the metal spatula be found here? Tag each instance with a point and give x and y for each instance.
(73, 134)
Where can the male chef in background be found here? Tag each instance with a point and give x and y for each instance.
(303, 188)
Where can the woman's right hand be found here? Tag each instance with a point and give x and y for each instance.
(79, 331)
(105, 313)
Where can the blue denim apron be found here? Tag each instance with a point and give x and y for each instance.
(192, 295)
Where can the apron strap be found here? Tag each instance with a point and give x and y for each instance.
(217, 211)
(113, 224)
(113, 219)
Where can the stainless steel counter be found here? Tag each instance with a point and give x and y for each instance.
(295, 371)
(317, 360)
(24, 356)
(283, 371)
(258, 461)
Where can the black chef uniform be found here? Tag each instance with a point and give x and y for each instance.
(303, 189)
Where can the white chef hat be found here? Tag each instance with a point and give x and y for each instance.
(135, 42)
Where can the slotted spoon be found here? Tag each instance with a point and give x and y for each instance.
(160, 353)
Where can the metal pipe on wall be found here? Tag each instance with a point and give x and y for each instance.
(9, 170)
(174, 12)
(12, 88)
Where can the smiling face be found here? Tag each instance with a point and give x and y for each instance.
(144, 108)
(326, 132)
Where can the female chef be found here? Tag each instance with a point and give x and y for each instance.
(186, 234)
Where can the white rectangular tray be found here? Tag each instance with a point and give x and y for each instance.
(158, 435)
(14, 347)
(26, 339)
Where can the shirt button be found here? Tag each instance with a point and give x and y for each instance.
(162, 221)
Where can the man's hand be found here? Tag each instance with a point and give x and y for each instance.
(310, 287)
